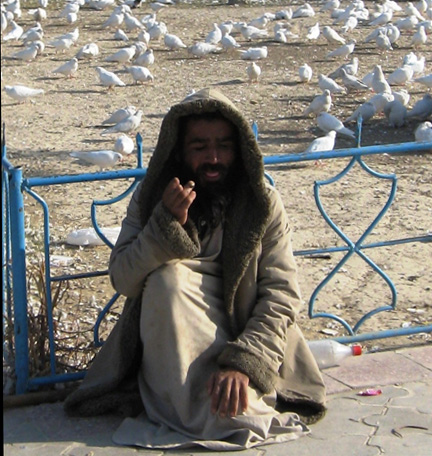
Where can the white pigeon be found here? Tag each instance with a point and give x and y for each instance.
(382, 19)
(22, 93)
(319, 104)
(425, 80)
(407, 23)
(114, 21)
(109, 79)
(328, 122)
(124, 145)
(350, 68)
(27, 54)
(313, 32)
(157, 31)
(120, 35)
(140, 74)
(396, 113)
(61, 44)
(146, 59)
(418, 66)
(253, 72)
(305, 10)
(379, 83)
(123, 55)
(383, 42)
(366, 111)
(401, 75)
(351, 83)
(423, 132)
(422, 109)
(215, 35)
(127, 125)
(379, 100)
(343, 51)
(411, 10)
(325, 82)
(88, 51)
(392, 32)
(38, 14)
(419, 37)
(68, 69)
(402, 95)
(14, 33)
(34, 33)
(255, 53)
(332, 36)
(173, 42)
(131, 23)
(228, 42)
(101, 158)
(322, 144)
(349, 25)
(120, 114)
(202, 49)
(250, 32)
(305, 73)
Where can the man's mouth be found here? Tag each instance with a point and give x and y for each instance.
(212, 172)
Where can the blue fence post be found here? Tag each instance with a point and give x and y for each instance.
(19, 282)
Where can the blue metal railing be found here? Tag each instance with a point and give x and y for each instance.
(14, 248)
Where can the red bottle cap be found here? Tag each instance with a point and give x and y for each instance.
(356, 350)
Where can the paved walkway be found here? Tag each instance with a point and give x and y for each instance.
(396, 422)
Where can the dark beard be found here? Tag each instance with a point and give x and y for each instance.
(209, 207)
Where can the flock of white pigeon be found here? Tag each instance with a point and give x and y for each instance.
(384, 26)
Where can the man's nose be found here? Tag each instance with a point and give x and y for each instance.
(213, 155)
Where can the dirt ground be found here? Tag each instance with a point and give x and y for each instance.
(42, 132)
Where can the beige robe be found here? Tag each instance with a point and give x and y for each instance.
(184, 324)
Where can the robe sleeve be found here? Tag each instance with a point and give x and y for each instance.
(139, 251)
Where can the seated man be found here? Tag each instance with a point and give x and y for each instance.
(207, 350)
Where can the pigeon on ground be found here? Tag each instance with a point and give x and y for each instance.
(253, 72)
(343, 51)
(351, 68)
(131, 23)
(215, 35)
(127, 125)
(34, 33)
(324, 143)
(425, 80)
(422, 109)
(380, 100)
(401, 75)
(228, 42)
(396, 113)
(27, 54)
(146, 59)
(305, 10)
(88, 51)
(313, 32)
(120, 35)
(140, 74)
(305, 73)
(319, 104)
(366, 111)
(123, 55)
(332, 36)
(383, 42)
(173, 42)
(14, 33)
(423, 133)
(114, 21)
(201, 49)
(124, 145)
(379, 83)
(61, 44)
(102, 158)
(351, 83)
(406, 23)
(22, 93)
(109, 79)
(68, 69)
(255, 53)
(328, 122)
(119, 114)
(250, 32)
(38, 14)
(382, 19)
(402, 95)
(325, 82)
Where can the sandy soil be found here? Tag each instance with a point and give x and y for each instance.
(41, 133)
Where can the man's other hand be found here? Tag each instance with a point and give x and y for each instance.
(178, 199)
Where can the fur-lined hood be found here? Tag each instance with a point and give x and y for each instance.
(205, 101)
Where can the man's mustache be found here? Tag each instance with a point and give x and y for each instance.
(208, 167)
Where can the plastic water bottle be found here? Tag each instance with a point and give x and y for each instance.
(329, 353)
